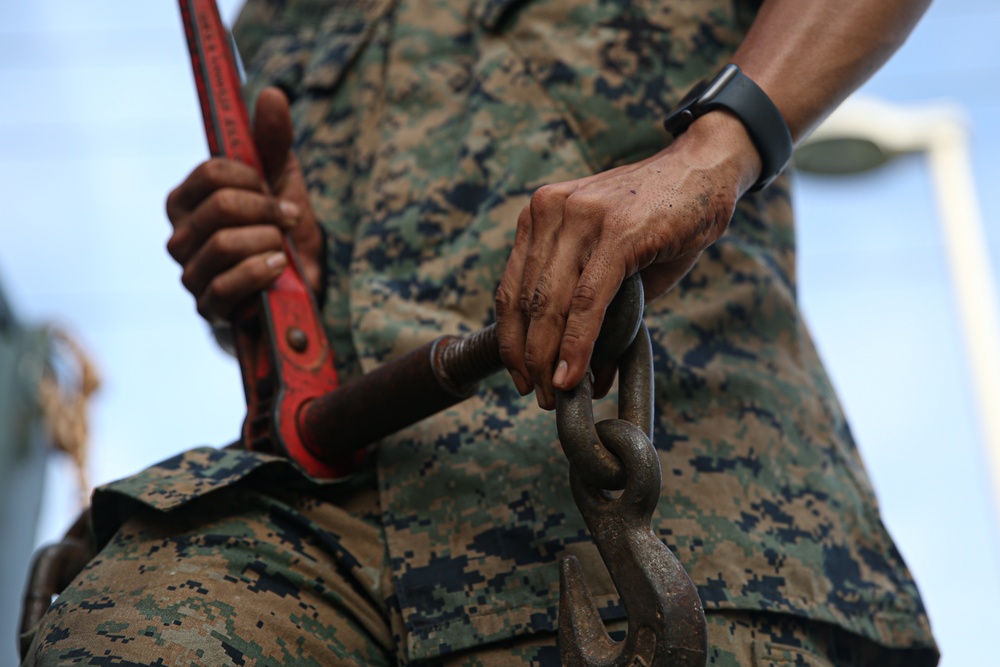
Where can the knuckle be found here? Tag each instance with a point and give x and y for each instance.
(524, 302)
(584, 298)
(212, 172)
(226, 204)
(172, 205)
(546, 200)
(504, 300)
(539, 302)
(188, 279)
(539, 363)
(221, 244)
(510, 352)
(174, 245)
(216, 292)
(531, 359)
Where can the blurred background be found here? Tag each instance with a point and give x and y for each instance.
(99, 121)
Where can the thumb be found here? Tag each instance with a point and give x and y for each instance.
(273, 134)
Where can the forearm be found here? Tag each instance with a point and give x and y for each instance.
(809, 55)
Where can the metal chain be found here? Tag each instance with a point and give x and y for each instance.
(666, 620)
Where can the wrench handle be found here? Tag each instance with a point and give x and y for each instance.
(285, 359)
(227, 122)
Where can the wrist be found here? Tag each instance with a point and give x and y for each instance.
(720, 138)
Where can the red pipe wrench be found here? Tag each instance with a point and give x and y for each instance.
(282, 348)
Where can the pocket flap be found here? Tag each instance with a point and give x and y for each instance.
(314, 54)
(341, 36)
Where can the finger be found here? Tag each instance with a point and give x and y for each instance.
(553, 298)
(604, 379)
(511, 321)
(226, 249)
(273, 135)
(303, 227)
(546, 212)
(548, 318)
(231, 288)
(598, 284)
(224, 209)
(206, 178)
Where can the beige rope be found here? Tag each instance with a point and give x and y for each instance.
(64, 403)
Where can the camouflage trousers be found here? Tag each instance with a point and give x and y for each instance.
(245, 578)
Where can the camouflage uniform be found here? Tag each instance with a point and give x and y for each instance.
(423, 127)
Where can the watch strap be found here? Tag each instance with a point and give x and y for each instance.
(737, 93)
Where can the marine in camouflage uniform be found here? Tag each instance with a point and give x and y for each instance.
(423, 127)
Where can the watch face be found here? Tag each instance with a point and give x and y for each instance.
(700, 94)
(685, 112)
(691, 96)
(715, 86)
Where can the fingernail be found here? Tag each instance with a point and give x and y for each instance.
(289, 209)
(559, 377)
(522, 385)
(277, 260)
(291, 212)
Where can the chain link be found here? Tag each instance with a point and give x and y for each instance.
(624, 339)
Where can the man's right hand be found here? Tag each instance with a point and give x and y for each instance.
(228, 221)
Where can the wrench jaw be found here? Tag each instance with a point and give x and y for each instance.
(286, 365)
(284, 355)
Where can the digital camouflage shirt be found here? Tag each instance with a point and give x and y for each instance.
(423, 127)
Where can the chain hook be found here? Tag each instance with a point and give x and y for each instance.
(666, 622)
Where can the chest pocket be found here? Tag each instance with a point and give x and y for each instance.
(614, 68)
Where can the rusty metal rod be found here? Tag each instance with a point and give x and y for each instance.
(432, 378)
(423, 382)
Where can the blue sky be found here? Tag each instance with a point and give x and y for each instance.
(99, 121)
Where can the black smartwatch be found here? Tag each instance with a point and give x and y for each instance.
(735, 92)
